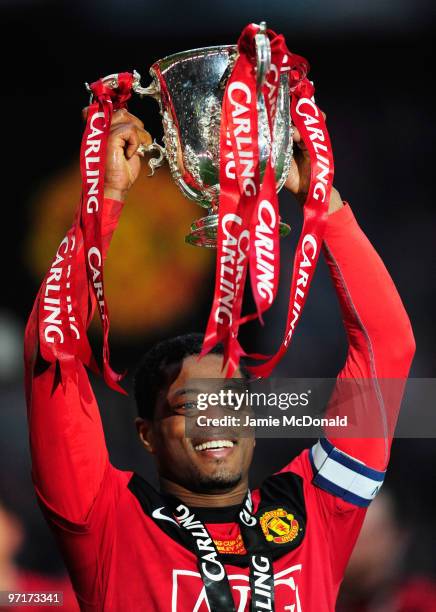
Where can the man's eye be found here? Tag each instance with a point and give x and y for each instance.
(190, 405)
(187, 408)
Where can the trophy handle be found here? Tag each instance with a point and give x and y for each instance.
(263, 52)
(154, 162)
(152, 90)
(112, 81)
(263, 64)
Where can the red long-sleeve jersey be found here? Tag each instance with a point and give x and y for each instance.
(117, 542)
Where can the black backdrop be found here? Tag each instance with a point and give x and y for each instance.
(372, 67)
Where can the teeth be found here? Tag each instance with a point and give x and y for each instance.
(214, 444)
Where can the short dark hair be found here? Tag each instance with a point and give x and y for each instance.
(152, 375)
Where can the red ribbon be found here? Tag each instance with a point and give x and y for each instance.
(265, 223)
(62, 332)
(248, 229)
(75, 282)
(239, 190)
(92, 166)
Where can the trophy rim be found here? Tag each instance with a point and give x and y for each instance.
(190, 53)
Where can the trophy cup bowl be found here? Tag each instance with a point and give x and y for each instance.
(189, 87)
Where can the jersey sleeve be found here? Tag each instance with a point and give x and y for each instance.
(67, 444)
(333, 521)
(380, 351)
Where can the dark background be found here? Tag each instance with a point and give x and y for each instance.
(372, 64)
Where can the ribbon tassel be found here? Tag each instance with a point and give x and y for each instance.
(248, 216)
(76, 276)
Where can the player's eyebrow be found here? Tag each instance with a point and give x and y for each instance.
(235, 383)
(182, 391)
(187, 391)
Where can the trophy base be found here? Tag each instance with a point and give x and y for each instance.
(203, 232)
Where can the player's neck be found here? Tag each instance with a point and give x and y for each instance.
(233, 497)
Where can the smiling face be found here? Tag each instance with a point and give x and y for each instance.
(209, 460)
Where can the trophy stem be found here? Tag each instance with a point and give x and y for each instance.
(204, 232)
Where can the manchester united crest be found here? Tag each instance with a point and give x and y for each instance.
(279, 526)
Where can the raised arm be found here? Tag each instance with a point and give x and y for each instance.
(370, 386)
(380, 338)
(381, 349)
(69, 456)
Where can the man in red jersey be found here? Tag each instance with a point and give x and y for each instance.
(204, 541)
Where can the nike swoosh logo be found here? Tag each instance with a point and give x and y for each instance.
(157, 514)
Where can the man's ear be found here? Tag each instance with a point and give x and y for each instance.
(145, 432)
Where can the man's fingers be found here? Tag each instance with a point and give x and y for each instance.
(145, 140)
(126, 137)
(297, 136)
(132, 144)
(298, 140)
(123, 116)
(132, 137)
(120, 116)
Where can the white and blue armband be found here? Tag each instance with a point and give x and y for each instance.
(343, 476)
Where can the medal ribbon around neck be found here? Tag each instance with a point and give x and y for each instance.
(211, 567)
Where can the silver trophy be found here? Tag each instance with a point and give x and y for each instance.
(189, 87)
